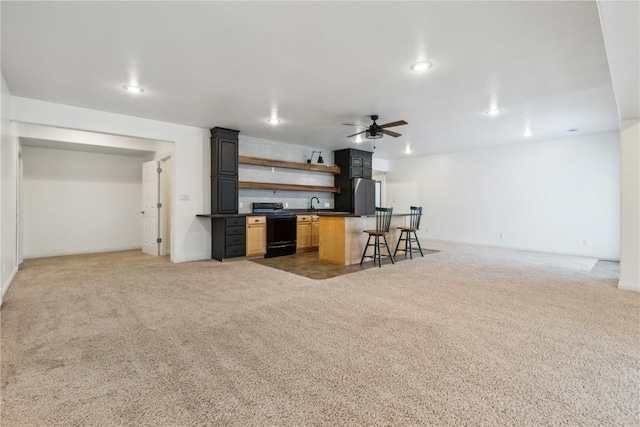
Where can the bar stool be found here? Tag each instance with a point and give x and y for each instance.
(414, 225)
(383, 221)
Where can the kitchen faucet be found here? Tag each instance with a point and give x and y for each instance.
(312, 208)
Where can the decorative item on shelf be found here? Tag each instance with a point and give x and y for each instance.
(320, 159)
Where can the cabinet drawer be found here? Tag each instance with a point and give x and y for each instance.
(356, 161)
(232, 231)
(304, 218)
(315, 218)
(367, 163)
(356, 173)
(366, 173)
(235, 250)
(256, 220)
(237, 239)
(234, 221)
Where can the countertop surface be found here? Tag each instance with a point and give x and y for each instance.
(298, 212)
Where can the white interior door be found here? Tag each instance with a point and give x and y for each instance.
(150, 199)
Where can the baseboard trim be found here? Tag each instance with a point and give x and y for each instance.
(85, 252)
(191, 258)
(628, 286)
(5, 286)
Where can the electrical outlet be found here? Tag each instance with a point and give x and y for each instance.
(501, 235)
(327, 205)
(241, 205)
(585, 241)
(273, 170)
(428, 229)
(286, 205)
(184, 197)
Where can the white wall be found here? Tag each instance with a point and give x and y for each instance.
(80, 202)
(630, 206)
(8, 199)
(191, 239)
(544, 196)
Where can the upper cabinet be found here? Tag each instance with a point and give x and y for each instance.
(224, 151)
(354, 163)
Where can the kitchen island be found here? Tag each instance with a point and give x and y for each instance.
(342, 237)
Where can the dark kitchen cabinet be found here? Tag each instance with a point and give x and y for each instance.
(354, 166)
(224, 171)
(224, 195)
(229, 237)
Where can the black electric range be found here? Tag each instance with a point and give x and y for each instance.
(281, 229)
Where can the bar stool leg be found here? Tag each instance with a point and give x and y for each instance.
(398, 244)
(364, 253)
(388, 250)
(418, 242)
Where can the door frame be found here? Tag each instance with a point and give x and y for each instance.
(167, 205)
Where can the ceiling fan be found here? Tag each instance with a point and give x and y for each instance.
(375, 131)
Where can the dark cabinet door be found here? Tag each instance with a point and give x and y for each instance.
(227, 157)
(357, 173)
(224, 194)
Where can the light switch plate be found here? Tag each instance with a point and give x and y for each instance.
(327, 205)
(184, 197)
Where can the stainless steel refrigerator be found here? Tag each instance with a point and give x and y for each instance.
(364, 196)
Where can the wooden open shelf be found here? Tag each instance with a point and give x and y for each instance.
(246, 185)
(245, 160)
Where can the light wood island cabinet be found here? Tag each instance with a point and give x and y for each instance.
(256, 235)
(308, 233)
(342, 237)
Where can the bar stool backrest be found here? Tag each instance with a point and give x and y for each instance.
(414, 217)
(383, 219)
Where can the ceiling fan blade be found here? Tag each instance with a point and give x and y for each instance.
(356, 134)
(349, 124)
(398, 123)
(391, 133)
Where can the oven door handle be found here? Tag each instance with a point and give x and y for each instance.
(282, 245)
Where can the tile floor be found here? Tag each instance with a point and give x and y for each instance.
(308, 265)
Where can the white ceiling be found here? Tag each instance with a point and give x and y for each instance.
(320, 64)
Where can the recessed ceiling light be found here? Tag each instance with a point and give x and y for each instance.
(493, 112)
(527, 133)
(274, 121)
(407, 150)
(572, 130)
(421, 66)
(133, 89)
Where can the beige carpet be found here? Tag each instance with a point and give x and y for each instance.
(467, 336)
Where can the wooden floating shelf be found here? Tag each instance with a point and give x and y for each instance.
(246, 185)
(245, 160)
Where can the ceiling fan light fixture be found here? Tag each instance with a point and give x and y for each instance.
(274, 121)
(373, 134)
(421, 66)
(493, 111)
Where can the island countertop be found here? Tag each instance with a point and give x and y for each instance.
(352, 215)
